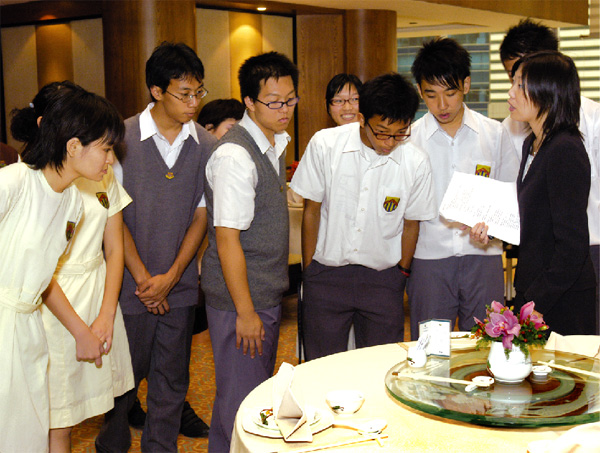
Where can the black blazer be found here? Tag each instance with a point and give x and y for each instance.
(554, 251)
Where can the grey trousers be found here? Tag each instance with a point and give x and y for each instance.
(336, 297)
(237, 374)
(160, 347)
(459, 286)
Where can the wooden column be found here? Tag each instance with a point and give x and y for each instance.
(132, 29)
(370, 42)
(320, 56)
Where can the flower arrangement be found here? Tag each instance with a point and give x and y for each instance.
(502, 325)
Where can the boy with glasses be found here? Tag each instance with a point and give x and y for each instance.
(163, 171)
(244, 268)
(452, 275)
(366, 188)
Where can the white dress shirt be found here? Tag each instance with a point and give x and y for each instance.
(365, 197)
(480, 146)
(232, 176)
(589, 125)
(169, 152)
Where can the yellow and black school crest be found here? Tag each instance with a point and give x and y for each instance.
(103, 199)
(170, 175)
(70, 229)
(2, 164)
(483, 170)
(391, 203)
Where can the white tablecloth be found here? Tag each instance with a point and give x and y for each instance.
(409, 430)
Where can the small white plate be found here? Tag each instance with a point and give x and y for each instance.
(249, 425)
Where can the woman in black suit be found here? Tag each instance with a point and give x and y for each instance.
(554, 268)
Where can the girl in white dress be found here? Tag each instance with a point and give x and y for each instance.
(39, 211)
(78, 389)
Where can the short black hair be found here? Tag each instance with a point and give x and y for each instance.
(172, 61)
(337, 83)
(23, 125)
(261, 68)
(551, 83)
(527, 37)
(217, 111)
(72, 114)
(390, 95)
(442, 61)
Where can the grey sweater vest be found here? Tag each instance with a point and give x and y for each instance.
(265, 243)
(164, 203)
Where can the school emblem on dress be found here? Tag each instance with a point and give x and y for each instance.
(170, 175)
(483, 170)
(391, 203)
(70, 229)
(103, 199)
(2, 164)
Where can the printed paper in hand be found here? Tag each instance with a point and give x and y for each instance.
(470, 199)
(439, 336)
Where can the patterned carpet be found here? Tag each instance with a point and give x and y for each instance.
(202, 386)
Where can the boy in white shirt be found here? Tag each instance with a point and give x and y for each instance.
(451, 275)
(366, 188)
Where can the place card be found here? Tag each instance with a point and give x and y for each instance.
(439, 336)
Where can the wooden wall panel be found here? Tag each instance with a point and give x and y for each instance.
(19, 67)
(319, 59)
(88, 55)
(54, 53)
(212, 44)
(245, 41)
(370, 42)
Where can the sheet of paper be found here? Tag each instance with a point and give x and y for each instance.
(470, 199)
(439, 336)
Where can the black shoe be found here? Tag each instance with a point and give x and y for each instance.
(137, 416)
(191, 424)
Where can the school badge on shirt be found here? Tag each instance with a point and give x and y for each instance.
(483, 170)
(391, 203)
(103, 199)
(70, 229)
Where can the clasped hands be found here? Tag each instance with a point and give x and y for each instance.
(153, 292)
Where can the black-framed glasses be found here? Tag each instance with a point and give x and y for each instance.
(278, 104)
(337, 102)
(384, 137)
(188, 98)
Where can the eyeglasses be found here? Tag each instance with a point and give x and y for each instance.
(188, 98)
(384, 137)
(337, 102)
(277, 105)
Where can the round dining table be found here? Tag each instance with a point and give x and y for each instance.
(408, 429)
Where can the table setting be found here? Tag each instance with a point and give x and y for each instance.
(378, 399)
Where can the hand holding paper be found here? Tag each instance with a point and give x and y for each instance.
(471, 199)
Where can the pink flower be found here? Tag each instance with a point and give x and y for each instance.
(496, 307)
(527, 314)
(503, 324)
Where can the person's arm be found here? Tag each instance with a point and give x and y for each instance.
(138, 271)
(113, 252)
(156, 288)
(410, 234)
(88, 346)
(249, 328)
(311, 218)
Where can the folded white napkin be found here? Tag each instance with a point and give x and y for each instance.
(581, 439)
(288, 409)
(579, 344)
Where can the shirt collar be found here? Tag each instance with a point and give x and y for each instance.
(432, 125)
(281, 138)
(148, 127)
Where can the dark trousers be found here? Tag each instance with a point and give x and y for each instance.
(458, 286)
(336, 297)
(237, 374)
(595, 255)
(160, 347)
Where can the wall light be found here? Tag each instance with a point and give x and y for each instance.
(261, 8)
